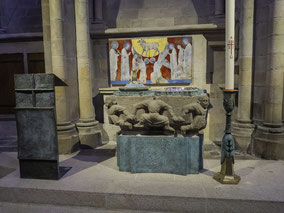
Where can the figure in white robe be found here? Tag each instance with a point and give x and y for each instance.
(125, 76)
(173, 61)
(139, 64)
(135, 61)
(156, 75)
(187, 59)
(181, 65)
(142, 68)
(113, 59)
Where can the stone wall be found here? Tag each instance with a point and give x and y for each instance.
(18, 16)
(163, 13)
(100, 63)
(208, 63)
(166, 13)
(22, 47)
(262, 27)
(208, 74)
(216, 118)
(100, 75)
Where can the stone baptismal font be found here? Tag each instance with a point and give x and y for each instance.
(160, 130)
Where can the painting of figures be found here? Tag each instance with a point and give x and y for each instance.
(157, 60)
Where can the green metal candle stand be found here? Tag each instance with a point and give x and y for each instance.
(227, 174)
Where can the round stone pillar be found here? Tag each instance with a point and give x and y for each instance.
(219, 7)
(1, 29)
(218, 17)
(243, 128)
(269, 138)
(67, 134)
(88, 127)
(46, 35)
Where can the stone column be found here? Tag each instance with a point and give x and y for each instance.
(88, 127)
(46, 35)
(219, 7)
(243, 128)
(218, 17)
(67, 134)
(269, 138)
(98, 15)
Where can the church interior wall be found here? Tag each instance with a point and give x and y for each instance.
(19, 16)
(24, 19)
(20, 29)
(21, 47)
(139, 14)
(217, 122)
(165, 13)
(100, 75)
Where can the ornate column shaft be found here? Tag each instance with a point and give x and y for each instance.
(243, 128)
(67, 134)
(88, 127)
(269, 138)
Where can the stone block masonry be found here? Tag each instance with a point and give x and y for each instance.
(160, 154)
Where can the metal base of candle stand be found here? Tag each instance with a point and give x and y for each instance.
(227, 175)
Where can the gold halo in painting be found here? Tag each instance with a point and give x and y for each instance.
(149, 46)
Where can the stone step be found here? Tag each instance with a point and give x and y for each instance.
(30, 208)
(94, 181)
(122, 201)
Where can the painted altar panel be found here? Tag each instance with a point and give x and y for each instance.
(157, 60)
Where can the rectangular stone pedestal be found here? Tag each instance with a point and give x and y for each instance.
(160, 154)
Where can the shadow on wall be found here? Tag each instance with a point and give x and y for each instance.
(202, 10)
(110, 12)
(98, 103)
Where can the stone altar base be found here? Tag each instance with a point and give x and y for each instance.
(160, 154)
